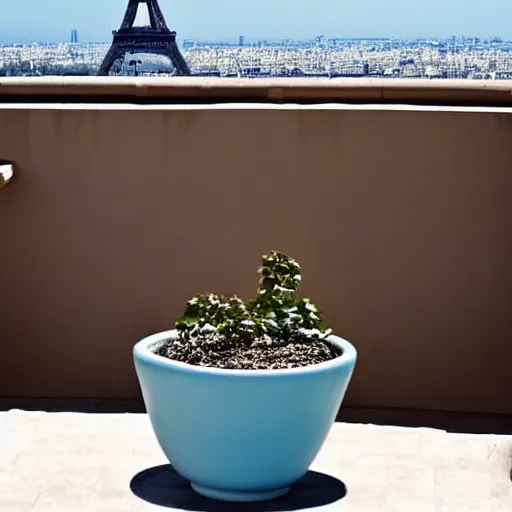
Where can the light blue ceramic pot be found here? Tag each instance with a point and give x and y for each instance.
(241, 435)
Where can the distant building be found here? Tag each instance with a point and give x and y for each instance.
(241, 41)
(74, 36)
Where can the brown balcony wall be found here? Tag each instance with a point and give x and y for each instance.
(401, 218)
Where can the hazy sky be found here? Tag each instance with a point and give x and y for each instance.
(52, 20)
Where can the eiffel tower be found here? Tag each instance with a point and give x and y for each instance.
(155, 38)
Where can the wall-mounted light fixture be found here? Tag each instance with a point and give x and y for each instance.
(6, 173)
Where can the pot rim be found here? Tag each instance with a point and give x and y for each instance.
(142, 351)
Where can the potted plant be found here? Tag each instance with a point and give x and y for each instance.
(241, 395)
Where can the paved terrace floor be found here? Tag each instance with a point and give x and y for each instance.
(72, 462)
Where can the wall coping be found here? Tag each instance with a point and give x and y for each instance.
(240, 106)
(273, 90)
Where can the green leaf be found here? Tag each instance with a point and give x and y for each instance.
(276, 311)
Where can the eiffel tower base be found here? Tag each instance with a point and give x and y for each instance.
(145, 41)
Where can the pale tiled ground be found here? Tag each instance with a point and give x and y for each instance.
(68, 462)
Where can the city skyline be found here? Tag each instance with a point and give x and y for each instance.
(52, 20)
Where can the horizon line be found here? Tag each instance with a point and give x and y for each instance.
(275, 39)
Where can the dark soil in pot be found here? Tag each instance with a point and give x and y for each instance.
(215, 352)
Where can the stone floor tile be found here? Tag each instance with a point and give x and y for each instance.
(76, 501)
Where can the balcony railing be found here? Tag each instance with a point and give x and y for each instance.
(278, 90)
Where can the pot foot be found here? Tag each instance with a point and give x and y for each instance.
(239, 496)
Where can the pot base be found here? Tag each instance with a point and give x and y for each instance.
(239, 496)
